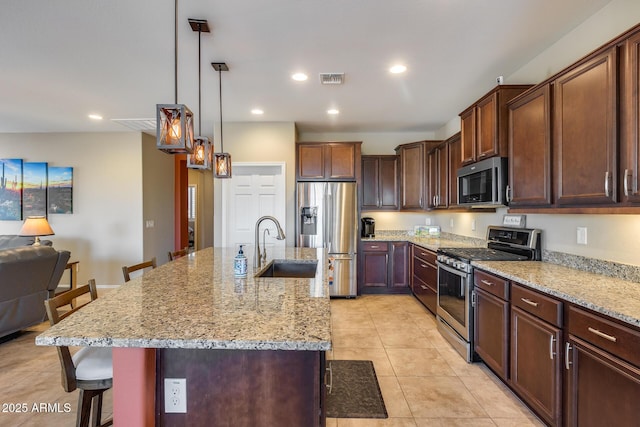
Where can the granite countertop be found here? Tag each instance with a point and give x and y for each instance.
(196, 302)
(611, 296)
(432, 243)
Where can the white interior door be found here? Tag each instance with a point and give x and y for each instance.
(255, 190)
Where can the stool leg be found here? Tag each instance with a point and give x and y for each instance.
(96, 409)
(84, 408)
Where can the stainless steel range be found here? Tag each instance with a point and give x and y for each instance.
(455, 279)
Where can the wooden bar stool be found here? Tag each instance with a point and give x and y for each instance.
(126, 270)
(90, 369)
(179, 253)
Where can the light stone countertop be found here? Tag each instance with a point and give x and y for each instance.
(614, 297)
(196, 302)
(431, 243)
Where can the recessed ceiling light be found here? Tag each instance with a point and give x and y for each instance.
(397, 69)
(257, 111)
(300, 77)
(95, 116)
(333, 111)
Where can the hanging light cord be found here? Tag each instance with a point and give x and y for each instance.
(175, 53)
(220, 80)
(199, 85)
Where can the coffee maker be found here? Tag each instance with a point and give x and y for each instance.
(368, 227)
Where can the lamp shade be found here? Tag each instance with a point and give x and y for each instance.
(174, 128)
(36, 226)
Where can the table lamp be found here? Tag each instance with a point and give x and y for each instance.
(36, 226)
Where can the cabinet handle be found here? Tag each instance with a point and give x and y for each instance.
(374, 246)
(606, 184)
(329, 371)
(423, 287)
(625, 181)
(488, 283)
(602, 334)
(508, 193)
(528, 301)
(552, 347)
(423, 254)
(567, 349)
(424, 266)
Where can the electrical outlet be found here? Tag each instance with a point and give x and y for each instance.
(473, 225)
(581, 235)
(150, 223)
(427, 221)
(175, 395)
(451, 223)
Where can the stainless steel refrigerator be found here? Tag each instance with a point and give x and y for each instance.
(327, 217)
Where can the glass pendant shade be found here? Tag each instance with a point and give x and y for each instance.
(174, 132)
(222, 163)
(201, 156)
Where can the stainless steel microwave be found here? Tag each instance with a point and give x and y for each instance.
(483, 183)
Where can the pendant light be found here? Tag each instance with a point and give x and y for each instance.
(201, 156)
(222, 160)
(174, 122)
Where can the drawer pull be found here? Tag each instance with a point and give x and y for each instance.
(329, 373)
(528, 301)
(423, 254)
(374, 246)
(602, 334)
(567, 349)
(552, 341)
(424, 266)
(423, 287)
(488, 283)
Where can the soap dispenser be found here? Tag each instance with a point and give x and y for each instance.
(240, 264)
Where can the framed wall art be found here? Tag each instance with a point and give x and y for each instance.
(11, 189)
(60, 185)
(34, 192)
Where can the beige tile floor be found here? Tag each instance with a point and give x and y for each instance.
(423, 381)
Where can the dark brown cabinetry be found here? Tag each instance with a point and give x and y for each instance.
(412, 176)
(455, 162)
(424, 279)
(630, 121)
(384, 267)
(438, 161)
(536, 355)
(380, 183)
(530, 149)
(484, 124)
(585, 132)
(603, 378)
(328, 161)
(491, 322)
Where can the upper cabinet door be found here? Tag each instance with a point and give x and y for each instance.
(530, 149)
(455, 146)
(341, 161)
(412, 171)
(630, 121)
(585, 136)
(487, 127)
(311, 161)
(328, 161)
(468, 134)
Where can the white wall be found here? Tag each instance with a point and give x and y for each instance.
(104, 232)
(260, 142)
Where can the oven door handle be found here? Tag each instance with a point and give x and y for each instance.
(452, 270)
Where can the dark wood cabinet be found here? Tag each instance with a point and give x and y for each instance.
(484, 124)
(629, 171)
(424, 279)
(384, 267)
(536, 352)
(585, 132)
(438, 167)
(603, 377)
(455, 162)
(328, 161)
(530, 149)
(491, 322)
(412, 176)
(380, 183)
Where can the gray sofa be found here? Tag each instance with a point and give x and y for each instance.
(28, 276)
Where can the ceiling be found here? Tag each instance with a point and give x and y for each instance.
(62, 60)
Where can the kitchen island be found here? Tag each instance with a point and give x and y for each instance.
(252, 350)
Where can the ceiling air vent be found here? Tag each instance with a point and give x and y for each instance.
(331, 78)
(137, 124)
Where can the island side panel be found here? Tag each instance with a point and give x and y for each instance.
(134, 384)
(244, 387)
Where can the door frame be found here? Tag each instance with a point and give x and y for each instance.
(225, 190)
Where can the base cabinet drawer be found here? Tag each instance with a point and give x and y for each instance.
(425, 294)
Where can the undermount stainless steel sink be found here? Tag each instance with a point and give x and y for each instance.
(290, 268)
